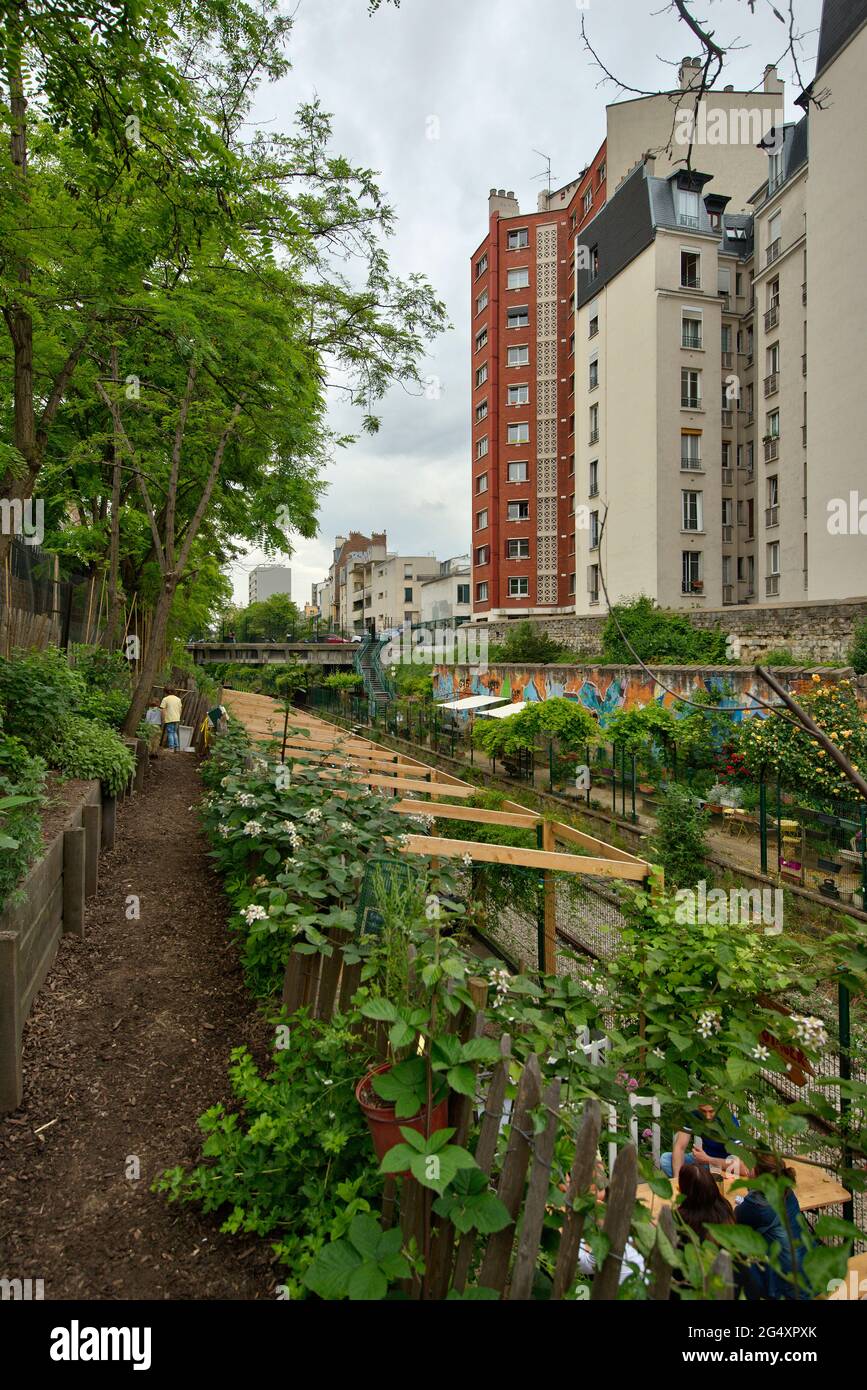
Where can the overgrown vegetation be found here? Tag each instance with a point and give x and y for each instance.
(658, 636)
(528, 643)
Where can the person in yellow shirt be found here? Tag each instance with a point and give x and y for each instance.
(171, 708)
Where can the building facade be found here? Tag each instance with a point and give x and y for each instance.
(266, 580)
(445, 598)
(370, 588)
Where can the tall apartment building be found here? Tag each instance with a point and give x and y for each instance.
(536, 383)
(266, 580)
(701, 336)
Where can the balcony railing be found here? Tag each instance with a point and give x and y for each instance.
(728, 593)
(773, 252)
(772, 448)
(688, 464)
(772, 317)
(690, 282)
(728, 361)
(685, 220)
(726, 301)
(727, 418)
(728, 477)
(728, 535)
(594, 436)
(772, 516)
(691, 341)
(690, 403)
(772, 585)
(772, 384)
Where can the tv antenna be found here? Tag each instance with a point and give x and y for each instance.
(546, 172)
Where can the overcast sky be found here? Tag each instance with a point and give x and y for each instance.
(492, 81)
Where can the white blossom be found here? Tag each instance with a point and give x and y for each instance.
(225, 831)
(346, 827)
(245, 799)
(313, 816)
(809, 1030)
(467, 859)
(253, 827)
(761, 1053)
(255, 913)
(708, 1023)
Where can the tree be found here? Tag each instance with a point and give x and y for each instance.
(776, 745)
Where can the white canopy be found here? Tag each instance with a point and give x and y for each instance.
(505, 710)
(473, 702)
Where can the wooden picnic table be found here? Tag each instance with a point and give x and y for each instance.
(814, 1188)
(854, 1286)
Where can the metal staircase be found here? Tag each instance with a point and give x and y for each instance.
(378, 688)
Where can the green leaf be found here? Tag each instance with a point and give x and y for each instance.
(824, 1263)
(398, 1159)
(364, 1234)
(381, 1009)
(741, 1240)
(331, 1269)
(367, 1283)
(463, 1080)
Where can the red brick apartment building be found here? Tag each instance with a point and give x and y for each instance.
(523, 422)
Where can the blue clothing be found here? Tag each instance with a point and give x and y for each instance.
(173, 736)
(714, 1148)
(760, 1281)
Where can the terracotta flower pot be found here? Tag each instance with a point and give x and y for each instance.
(381, 1120)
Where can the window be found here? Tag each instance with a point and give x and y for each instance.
(482, 592)
(481, 410)
(594, 262)
(517, 472)
(481, 339)
(690, 388)
(690, 449)
(773, 557)
(594, 530)
(518, 434)
(594, 424)
(571, 344)
(773, 486)
(775, 169)
(593, 381)
(687, 208)
(518, 240)
(482, 375)
(601, 179)
(518, 318)
(518, 511)
(482, 447)
(407, 595)
(773, 358)
(593, 583)
(724, 280)
(519, 587)
(463, 593)
(407, 571)
(690, 270)
(481, 265)
(726, 338)
(728, 511)
(518, 357)
(518, 395)
(518, 279)
(483, 554)
(691, 511)
(594, 320)
(482, 301)
(775, 229)
(690, 329)
(482, 482)
(481, 519)
(593, 482)
(772, 429)
(517, 550)
(691, 581)
(588, 201)
(572, 583)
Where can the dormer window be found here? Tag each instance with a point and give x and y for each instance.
(775, 170)
(687, 207)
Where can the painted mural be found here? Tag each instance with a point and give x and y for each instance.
(604, 689)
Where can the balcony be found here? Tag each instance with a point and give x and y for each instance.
(688, 464)
(772, 448)
(728, 535)
(772, 317)
(691, 342)
(772, 384)
(728, 361)
(772, 585)
(728, 477)
(728, 593)
(772, 516)
(773, 251)
(727, 418)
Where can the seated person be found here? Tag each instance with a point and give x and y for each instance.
(708, 1152)
(703, 1202)
(789, 1235)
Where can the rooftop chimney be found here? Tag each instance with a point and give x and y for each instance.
(689, 73)
(772, 81)
(506, 204)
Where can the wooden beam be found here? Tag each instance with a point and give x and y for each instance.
(477, 814)
(524, 858)
(410, 784)
(549, 844)
(572, 836)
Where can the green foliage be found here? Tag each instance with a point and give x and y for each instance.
(640, 728)
(678, 843)
(342, 680)
(270, 620)
(659, 637)
(529, 643)
(22, 779)
(858, 649)
(82, 748)
(279, 679)
(292, 1158)
(361, 1265)
(413, 682)
(567, 721)
(37, 689)
(776, 744)
(779, 656)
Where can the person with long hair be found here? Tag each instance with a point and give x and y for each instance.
(703, 1203)
(787, 1232)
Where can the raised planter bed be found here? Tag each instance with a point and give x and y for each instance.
(48, 902)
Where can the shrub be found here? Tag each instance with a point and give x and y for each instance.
(679, 843)
(342, 680)
(778, 746)
(37, 689)
(528, 643)
(82, 748)
(21, 776)
(858, 649)
(659, 636)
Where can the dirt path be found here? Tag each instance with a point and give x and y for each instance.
(127, 1044)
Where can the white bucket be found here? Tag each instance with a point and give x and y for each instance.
(185, 735)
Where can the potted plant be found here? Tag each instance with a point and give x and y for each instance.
(394, 1096)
